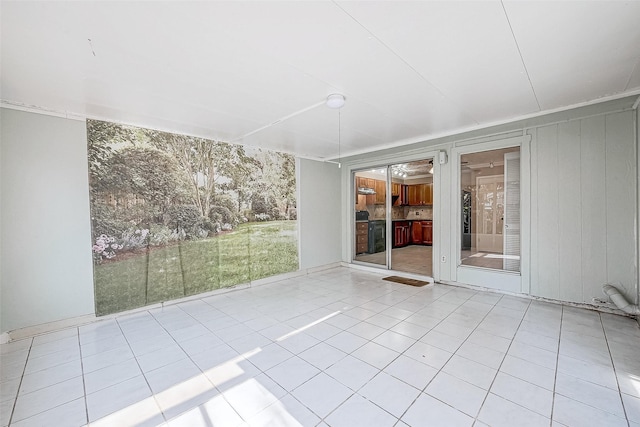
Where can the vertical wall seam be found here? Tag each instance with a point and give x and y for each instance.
(606, 210)
(582, 296)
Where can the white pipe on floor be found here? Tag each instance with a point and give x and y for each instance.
(619, 300)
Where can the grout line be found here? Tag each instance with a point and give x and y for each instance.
(501, 362)
(84, 384)
(140, 367)
(624, 409)
(13, 408)
(555, 377)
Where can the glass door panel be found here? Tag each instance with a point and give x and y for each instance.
(490, 207)
(370, 193)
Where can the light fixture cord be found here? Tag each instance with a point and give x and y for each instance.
(339, 164)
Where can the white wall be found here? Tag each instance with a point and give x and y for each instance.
(319, 210)
(584, 176)
(46, 268)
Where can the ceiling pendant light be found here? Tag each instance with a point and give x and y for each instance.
(336, 101)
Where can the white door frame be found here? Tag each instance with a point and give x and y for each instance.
(517, 282)
(378, 163)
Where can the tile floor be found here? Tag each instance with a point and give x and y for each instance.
(335, 348)
(416, 259)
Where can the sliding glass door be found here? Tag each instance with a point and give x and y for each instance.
(393, 218)
(370, 190)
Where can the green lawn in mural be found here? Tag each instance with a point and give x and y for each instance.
(191, 267)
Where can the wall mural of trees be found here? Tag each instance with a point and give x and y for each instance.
(174, 215)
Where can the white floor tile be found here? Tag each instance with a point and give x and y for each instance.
(298, 343)
(442, 340)
(527, 371)
(215, 412)
(111, 375)
(394, 341)
(411, 371)
(589, 393)
(30, 404)
(366, 330)
(428, 354)
(269, 356)
(111, 342)
(352, 372)
(632, 407)
(499, 412)
(533, 354)
(322, 394)
(117, 397)
(249, 342)
(9, 389)
(346, 341)
(292, 373)
(537, 340)
(629, 383)
(359, 412)
(472, 372)
(50, 376)
(181, 397)
(523, 393)
(285, 412)
(389, 393)
(72, 413)
(142, 413)
(459, 394)
(375, 355)
(201, 343)
(36, 364)
(108, 358)
(15, 346)
(428, 411)
(159, 358)
(573, 413)
(481, 354)
(172, 374)
(592, 372)
(62, 344)
(216, 356)
(6, 408)
(410, 330)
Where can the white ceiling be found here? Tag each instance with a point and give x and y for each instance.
(410, 70)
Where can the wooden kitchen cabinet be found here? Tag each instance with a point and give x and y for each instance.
(412, 195)
(420, 194)
(381, 192)
(401, 234)
(396, 190)
(362, 237)
(422, 232)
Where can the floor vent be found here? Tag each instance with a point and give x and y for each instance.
(405, 281)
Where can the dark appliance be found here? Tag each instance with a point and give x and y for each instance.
(466, 220)
(377, 236)
(362, 215)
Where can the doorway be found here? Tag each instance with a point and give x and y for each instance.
(489, 245)
(394, 216)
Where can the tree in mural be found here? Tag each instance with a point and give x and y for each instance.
(159, 202)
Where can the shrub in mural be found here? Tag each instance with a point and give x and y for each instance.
(174, 215)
